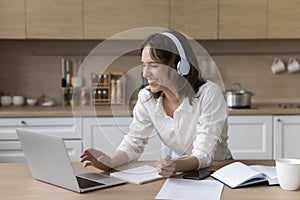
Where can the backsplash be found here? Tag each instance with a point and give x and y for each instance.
(33, 67)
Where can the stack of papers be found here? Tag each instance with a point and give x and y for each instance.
(138, 175)
(190, 189)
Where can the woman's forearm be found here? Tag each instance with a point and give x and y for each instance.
(119, 158)
(187, 164)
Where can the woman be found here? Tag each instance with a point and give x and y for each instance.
(188, 113)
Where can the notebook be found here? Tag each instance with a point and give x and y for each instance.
(48, 161)
(238, 174)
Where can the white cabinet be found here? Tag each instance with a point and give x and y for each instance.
(250, 137)
(287, 136)
(106, 133)
(68, 128)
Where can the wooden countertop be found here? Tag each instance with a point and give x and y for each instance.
(107, 111)
(17, 183)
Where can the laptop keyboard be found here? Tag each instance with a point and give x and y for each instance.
(85, 183)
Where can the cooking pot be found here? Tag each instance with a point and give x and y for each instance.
(237, 97)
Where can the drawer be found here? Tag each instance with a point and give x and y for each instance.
(11, 151)
(68, 128)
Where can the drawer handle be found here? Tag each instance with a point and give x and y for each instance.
(278, 120)
(23, 122)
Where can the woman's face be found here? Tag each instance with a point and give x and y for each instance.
(157, 73)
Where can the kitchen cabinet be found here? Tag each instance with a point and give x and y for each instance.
(197, 19)
(59, 19)
(243, 19)
(68, 128)
(105, 18)
(283, 19)
(251, 137)
(286, 136)
(12, 19)
(106, 133)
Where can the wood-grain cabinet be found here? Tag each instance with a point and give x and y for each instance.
(67, 128)
(12, 19)
(197, 19)
(59, 19)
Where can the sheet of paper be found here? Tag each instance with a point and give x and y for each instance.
(190, 189)
(138, 175)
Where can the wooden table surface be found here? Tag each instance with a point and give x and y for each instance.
(17, 183)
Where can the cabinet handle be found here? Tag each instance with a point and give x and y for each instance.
(278, 120)
(23, 122)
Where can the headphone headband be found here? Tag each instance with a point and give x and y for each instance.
(183, 66)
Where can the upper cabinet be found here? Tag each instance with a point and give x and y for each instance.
(105, 18)
(197, 19)
(12, 19)
(55, 19)
(284, 19)
(242, 19)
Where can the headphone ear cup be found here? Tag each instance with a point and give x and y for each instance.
(183, 67)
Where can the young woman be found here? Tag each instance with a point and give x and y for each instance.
(188, 113)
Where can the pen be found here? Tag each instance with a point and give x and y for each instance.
(170, 153)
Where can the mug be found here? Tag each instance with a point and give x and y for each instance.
(288, 173)
(293, 65)
(6, 100)
(18, 100)
(278, 66)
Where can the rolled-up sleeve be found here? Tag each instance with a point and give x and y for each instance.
(133, 143)
(211, 122)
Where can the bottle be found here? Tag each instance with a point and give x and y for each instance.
(68, 74)
(119, 91)
(113, 91)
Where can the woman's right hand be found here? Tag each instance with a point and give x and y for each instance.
(97, 159)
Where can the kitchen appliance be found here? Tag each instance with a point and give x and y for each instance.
(237, 97)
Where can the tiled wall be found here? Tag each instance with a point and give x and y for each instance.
(32, 67)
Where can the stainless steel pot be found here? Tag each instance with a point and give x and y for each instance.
(238, 97)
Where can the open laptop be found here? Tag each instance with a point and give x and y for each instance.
(49, 162)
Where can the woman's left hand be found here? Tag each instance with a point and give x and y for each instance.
(166, 167)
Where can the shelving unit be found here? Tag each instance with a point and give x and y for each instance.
(108, 88)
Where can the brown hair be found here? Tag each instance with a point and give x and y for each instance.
(163, 50)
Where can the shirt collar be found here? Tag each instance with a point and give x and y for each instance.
(185, 106)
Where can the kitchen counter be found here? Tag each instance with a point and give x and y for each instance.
(107, 111)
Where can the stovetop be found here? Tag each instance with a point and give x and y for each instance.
(289, 105)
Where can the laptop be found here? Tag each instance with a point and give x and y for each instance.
(48, 161)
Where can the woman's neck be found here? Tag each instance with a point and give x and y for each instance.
(170, 103)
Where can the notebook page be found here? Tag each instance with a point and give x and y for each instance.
(138, 175)
(268, 171)
(235, 174)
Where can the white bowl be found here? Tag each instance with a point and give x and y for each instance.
(31, 102)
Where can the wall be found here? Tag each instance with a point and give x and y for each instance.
(32, 67)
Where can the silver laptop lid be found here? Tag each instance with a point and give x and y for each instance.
(48, 159)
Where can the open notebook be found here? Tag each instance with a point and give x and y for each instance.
(238, 174)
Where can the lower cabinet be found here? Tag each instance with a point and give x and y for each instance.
(287, 136)
(251, 137)
(68, 128)
(106, 133)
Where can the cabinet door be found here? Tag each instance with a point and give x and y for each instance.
(283, 19)
(12, 19)
(106, 133)
(250, 137)
(58, 19)
(286, 136)
(197, 19)
(242, 19)
(68, 128)
(105, 18)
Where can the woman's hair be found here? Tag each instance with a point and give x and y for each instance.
(163, 50)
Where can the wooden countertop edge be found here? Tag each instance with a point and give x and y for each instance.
(106, 111)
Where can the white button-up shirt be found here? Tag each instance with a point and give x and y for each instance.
(199, 129)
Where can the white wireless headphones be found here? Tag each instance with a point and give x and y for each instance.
(183, 66)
